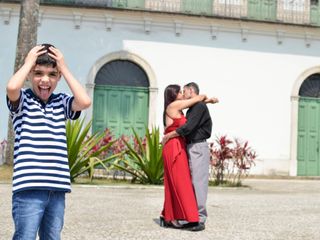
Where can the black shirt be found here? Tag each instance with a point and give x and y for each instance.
(199, 124)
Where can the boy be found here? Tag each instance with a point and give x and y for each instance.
(41, 172)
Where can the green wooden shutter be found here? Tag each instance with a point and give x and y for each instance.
(120, 108)
(197, 7)
(119, 3)
(136, 4)
(315, 14)
(58, 1)
(129, 3)
(308, 137)
(262, 9)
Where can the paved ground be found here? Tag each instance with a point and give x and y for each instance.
(268, 209)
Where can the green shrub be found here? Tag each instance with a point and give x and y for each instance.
(83, 151)
(143, 158)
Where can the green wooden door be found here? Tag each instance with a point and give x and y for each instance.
(308, 137)
(262, 9)
(120, 108)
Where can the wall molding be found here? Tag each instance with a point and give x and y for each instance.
(109, 17)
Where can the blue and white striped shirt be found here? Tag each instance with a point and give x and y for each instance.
(40, 148)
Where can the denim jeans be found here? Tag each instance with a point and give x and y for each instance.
(36, 211)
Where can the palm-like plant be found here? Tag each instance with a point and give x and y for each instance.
(83, 154)
(145, 164)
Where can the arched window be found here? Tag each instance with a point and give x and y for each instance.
(122, 73)
(311, 87)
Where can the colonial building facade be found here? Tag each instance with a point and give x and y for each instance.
(261, 58)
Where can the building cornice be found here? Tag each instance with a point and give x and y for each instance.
(149, 21)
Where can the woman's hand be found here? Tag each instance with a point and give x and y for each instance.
(212, 100)
(201, 97)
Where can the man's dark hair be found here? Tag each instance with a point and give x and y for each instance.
(194, 86)
(45, 59)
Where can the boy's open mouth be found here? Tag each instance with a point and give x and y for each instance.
(44, 92)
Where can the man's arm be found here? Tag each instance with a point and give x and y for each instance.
(194, 118)
(168, 136)
(81, 99)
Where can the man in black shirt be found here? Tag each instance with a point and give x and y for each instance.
(196, 131)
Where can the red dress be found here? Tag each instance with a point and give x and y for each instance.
(179, 198)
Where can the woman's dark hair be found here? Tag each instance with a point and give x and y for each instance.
(45, 59)
(170, 94)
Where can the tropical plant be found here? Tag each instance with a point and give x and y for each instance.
(220, 155)
(230, 160)
(243, 159)
(143, 159)
(84, 153)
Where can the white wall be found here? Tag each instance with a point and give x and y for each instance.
(253, 79)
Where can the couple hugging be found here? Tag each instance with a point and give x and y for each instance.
(186, 157)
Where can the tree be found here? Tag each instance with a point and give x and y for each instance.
(27, 38)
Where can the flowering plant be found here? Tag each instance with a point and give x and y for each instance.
(230, 160)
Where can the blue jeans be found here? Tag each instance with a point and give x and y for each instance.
(38, 211)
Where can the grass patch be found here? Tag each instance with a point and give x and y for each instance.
(102, 181)
(225, 183)
(6, 173)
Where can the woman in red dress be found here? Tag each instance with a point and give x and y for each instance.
(179, 198)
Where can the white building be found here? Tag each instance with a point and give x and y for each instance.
(253, 56)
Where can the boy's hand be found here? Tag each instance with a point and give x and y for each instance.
(33, 54)
(58, 56)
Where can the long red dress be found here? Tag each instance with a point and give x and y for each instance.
(179, 198)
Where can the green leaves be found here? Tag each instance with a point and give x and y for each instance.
(142, 159)
(83, 153)
(145, 164)
(230, 160)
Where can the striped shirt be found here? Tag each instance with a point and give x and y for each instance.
(40, 148)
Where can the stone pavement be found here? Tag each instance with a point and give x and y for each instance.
(268, 209)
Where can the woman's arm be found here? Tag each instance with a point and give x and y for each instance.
(212, 100)
(186, 103)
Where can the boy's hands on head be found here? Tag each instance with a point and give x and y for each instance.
(57, 55)
(33, 54)
(81, 99)
(16, 82)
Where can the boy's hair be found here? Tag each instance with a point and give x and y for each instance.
(45, 59)
(194, 86)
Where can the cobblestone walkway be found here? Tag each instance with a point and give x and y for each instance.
(267, 210)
